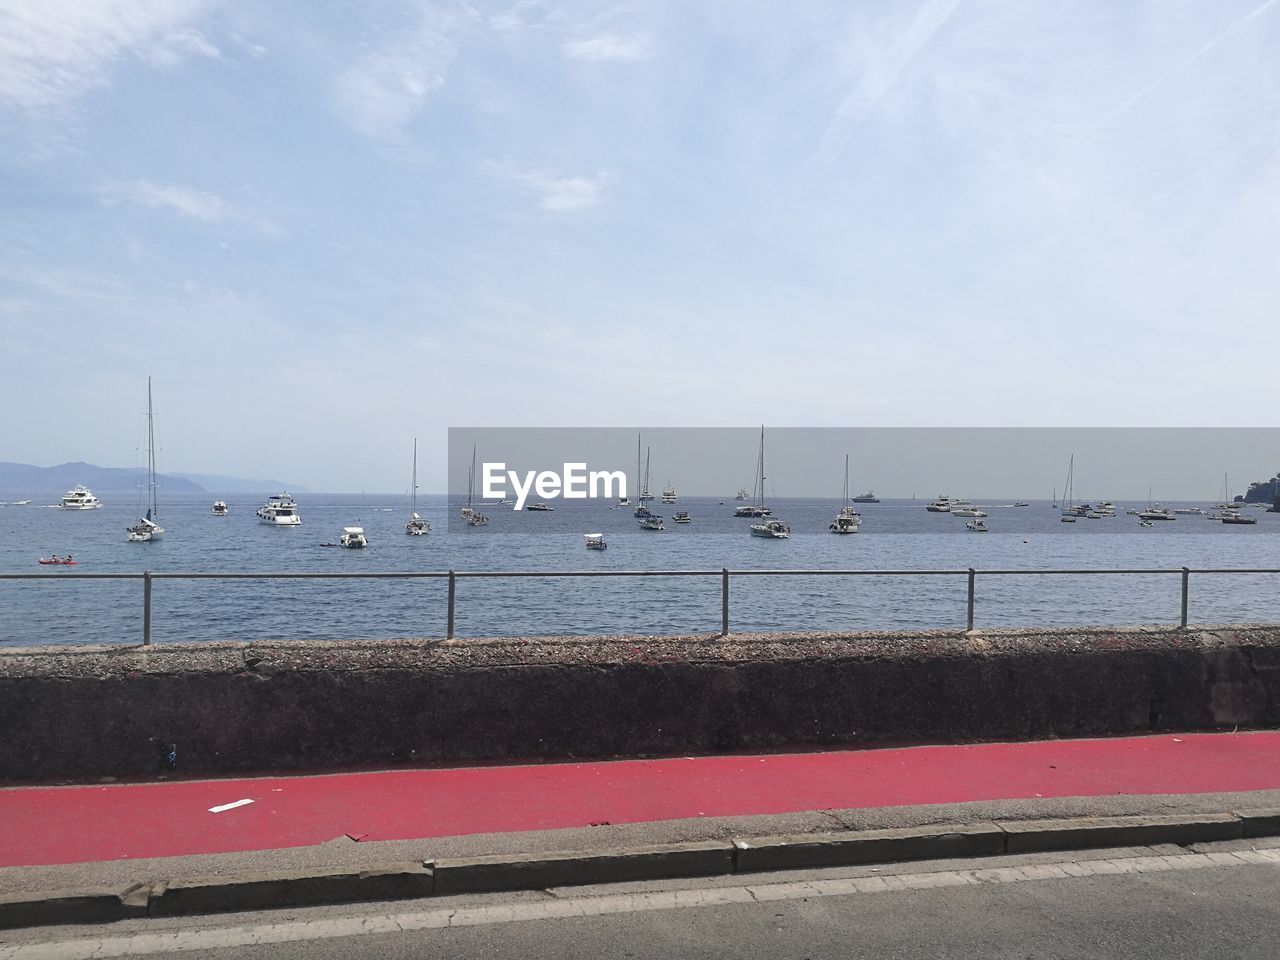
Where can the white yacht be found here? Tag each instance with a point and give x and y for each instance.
(220, 508)
(741, 495)
(868, 497)
(1156, 512)
(847, 519)
(595, 541)
(80, 497)
(624, 501)
(416, 525)
(751, 510)
(148, 528)
(353, 538)
(941, 505)
(651, 522)
(969, 511)
(682, 516)
(769, 525)
(669, 494)
(279, 511)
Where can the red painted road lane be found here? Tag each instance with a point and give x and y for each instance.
(48, 825)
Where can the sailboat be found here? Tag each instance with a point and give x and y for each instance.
(1068, 494)
(1230, 513)
(769, 526)
(473, 516)
(848, 519)
(642, 512)
(416, 526)
(147, 529)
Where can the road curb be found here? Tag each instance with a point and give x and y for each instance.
(412, 880)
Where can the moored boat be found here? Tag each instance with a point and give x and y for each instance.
(353, 538)
(220, 508)
(279, 511)
(80, 497)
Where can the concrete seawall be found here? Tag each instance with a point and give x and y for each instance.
(82, 713)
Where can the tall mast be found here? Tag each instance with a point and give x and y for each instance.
(846, 480)
(151, 457)
(413, 491)
(471, 475)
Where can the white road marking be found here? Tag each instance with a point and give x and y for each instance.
(214, 938)
(229, 806)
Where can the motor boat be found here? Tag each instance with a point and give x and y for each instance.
(1021, 503)
(1233, 516)
(417, 526)
(868, 497)
(741, 495)
(669, 494)
(969, 511)
(845, 523)
(539, 508)
(595, 541)
(1146, 523)
(80, 497)
(941, 505)
(624, 501)
(56, 560)
(651, 522)
(976, 526)
(1156, 512)
(682, 516)
(477, 519)
(752, 511)
(1188, 511)
(220, 509)
(353, 538)
(279, 511)
(774, 529)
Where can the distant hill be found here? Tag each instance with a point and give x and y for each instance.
(1264, 491)
(25, 478)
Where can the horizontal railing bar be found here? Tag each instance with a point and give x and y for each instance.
(499, 574)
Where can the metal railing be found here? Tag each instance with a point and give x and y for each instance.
(452, 576)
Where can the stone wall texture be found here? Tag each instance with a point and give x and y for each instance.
(77, 713)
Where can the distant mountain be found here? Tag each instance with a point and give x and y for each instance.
(217, 483)
(25, 478)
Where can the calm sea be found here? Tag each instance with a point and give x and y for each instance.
(895, 535)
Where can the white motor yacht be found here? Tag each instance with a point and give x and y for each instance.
(868, 497)
(651, 522)
(1156, 512)
(80, 497)
(353, 538)
(941, 505)
(220, 508)
(682, 516)
(969, 511)
(279, 511)
(771, 528)
(595, 541)
(669, 494)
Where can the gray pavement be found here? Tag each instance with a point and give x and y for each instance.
(1213, 900)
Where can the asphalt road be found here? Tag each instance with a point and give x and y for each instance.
(1218, 900)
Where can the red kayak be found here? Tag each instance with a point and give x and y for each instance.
(61, 563)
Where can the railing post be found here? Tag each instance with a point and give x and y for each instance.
(1186, 585)
(146, 608)
(973, 576)
(448, 632)
(724, 601)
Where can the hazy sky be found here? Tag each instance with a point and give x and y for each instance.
(325, 228)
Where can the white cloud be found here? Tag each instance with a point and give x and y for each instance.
(52, 51)
(381, 92)
(196, 204)
(567, 194)
(610, 48)
(177, 46)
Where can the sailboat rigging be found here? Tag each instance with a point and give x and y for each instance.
(417, 526)
(848, 519)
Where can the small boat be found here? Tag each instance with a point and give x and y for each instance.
(1156, 512)
(595, 541)
(624, 501)
(279, 511)
(56, 560)
(80, 497)
(868, 497)
(148, 529)
(847, 519)
(1188, 511)
(20, 503)
(1021, 503)
(1233, 516)
(751, 511)
(477, 519)
(969, 511)
(976, 526)
(415, 526)
(770, 527)
(539, 508)
(353, 538)
(219, 509)
(1146, 523)
(941, 505)
(669, 494)
(741, 495)
(682, 516)
(651, 522)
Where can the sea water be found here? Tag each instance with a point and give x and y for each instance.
(895, 535)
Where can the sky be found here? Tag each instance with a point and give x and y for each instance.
(326, 228)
